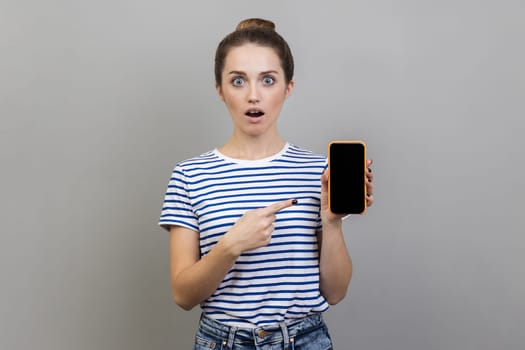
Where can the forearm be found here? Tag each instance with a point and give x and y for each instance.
(199, 281)
(335, 263)
(194, 279)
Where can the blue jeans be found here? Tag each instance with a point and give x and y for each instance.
(309, 333)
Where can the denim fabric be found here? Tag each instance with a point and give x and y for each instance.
(309, 333)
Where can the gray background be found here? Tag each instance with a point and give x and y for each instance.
(100, 99)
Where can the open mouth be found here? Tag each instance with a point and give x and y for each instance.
(254, 113)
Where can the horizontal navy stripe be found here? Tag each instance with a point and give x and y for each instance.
(264, 300)
(237, 187)
(303, 156)
(202, 160)
(313, 253)
(266, 261)
(193, 183)
(273, 268)
(237, 216)
(300, 160)
(175, 201)
(290, 194)
(211, 212)
(214, 227)
(218, 218)
(210, 165)
(177, 187)
(177, 216)
(280, 252)
(282, 291)
(273, 244)
(177, 209)
(264, 306)
(256, 315)
(288, 218)
(251, 170)
(264, 203)
(268, 285)
(294, 227)
(277, 227)
(290, 211)
(282, 275)
(273, 179)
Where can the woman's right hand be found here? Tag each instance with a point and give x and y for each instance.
(195, 278)
(254, 229)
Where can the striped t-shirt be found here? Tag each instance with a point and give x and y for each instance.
(271, 284)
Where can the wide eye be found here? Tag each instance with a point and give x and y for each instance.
(268, 80)
(237, 81)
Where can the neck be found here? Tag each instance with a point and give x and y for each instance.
(252, 148)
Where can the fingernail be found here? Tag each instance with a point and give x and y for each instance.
(295, 201)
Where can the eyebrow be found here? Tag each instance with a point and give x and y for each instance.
(236, 72)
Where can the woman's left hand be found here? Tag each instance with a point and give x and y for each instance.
(326, 214)
(369, 183)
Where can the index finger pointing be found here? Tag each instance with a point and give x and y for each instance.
(275, 207)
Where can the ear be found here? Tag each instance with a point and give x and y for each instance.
(219, 91)
(289, 88)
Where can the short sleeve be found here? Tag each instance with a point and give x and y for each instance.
(177, 209)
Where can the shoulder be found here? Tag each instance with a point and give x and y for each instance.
(203, 160)
(298, 153)
(188, 168)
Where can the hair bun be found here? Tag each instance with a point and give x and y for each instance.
(251, 23)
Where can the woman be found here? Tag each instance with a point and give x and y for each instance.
(252, 239)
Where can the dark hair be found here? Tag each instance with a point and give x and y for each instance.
(256, 31)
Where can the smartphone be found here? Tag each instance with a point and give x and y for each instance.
(346, 184)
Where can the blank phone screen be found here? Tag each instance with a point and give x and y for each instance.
(347, 178)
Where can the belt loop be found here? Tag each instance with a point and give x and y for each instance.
(231, 336)
(286, 338)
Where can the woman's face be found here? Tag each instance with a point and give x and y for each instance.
(254, 89)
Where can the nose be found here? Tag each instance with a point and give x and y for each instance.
(253, 94)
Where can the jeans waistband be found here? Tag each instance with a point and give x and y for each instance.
(276, 333)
